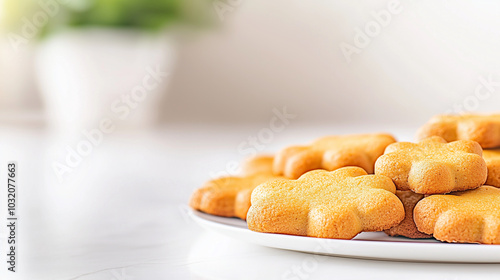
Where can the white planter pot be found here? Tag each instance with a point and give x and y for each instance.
(18, 92)
(90, 75)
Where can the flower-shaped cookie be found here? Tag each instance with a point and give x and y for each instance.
(469, 217)
(407, 227)
(433, 166)
(492, 158)
(331, 153)
(230, 196)
(258, 164)
(336, 204)
(484, 129)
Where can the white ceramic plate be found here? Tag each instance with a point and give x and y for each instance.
(367, 245)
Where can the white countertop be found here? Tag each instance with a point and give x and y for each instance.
(121, 213)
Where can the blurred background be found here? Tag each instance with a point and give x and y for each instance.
(116, 110)
(256, 55)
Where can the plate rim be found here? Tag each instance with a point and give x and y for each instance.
(456, 250)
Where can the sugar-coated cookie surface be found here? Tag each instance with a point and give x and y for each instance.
(433, 166)
(407, 227)
(468, 217)
(336, 204)
(230, 196)
(331, 153)
(484, 129)
(492, 159)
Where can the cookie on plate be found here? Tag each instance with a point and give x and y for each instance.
(492, 158)
(230, 196)
(258, 164)
(433, 166)
(484, 129)
(331, 153)
(326, 204)
(467, 217)
(407, 227)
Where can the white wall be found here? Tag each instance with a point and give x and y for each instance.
(287, 52)
(274, 53)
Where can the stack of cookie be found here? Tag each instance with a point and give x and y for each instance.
(339, 186)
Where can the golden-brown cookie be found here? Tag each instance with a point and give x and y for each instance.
(468, 217)
(484, 129)
(331, 153)
(407, 227)
(492, 159)
(433, 166)
(258, 164)
(230, 196)
(336, 204)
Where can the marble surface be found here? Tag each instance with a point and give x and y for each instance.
(121, 213)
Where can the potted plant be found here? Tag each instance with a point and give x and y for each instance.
(109, 59)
